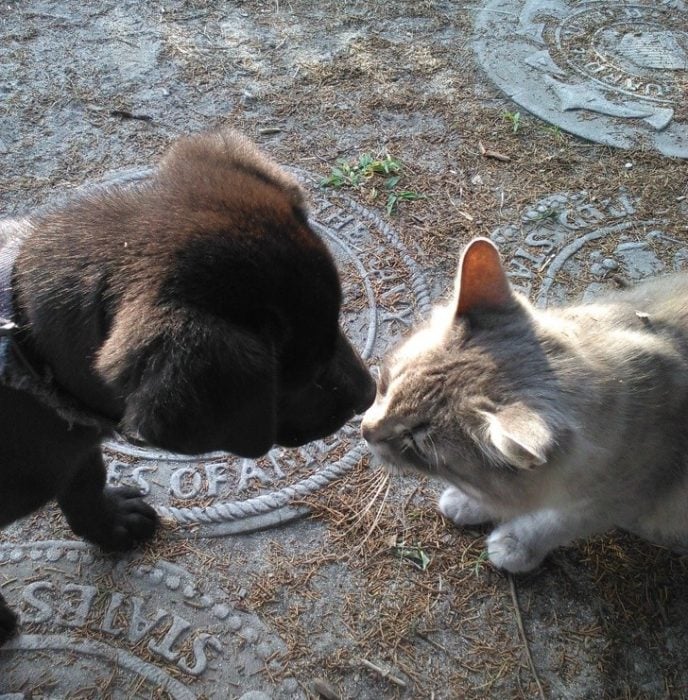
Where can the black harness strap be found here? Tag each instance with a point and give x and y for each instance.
(16, 370)
(8, 255)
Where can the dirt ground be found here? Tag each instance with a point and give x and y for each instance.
(86, 88)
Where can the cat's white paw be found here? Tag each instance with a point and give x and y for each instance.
(461, 509)
(507, 551)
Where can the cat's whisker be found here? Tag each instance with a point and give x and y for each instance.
(377, 518)
(380, 482)
(378, 478)
(433, 449)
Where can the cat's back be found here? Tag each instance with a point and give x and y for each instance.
(665, 297)
(639, 334)
(658, 306)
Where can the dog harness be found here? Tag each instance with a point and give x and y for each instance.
(16, 371)
(8, 254)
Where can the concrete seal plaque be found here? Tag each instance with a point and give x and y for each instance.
(568, 243)
(98, 626)
(384, 293)
(614, 72)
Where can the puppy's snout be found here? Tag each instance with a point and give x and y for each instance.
(367, 396)
(351, 375)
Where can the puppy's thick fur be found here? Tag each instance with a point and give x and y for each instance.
(195, 309)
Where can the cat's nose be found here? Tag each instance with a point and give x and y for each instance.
(370, 429)
(374, 421)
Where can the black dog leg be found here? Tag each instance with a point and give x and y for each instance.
(8, 622)
(116, 519)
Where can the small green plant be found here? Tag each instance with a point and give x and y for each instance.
(415, 555)
(514, 118)
(555, 132)
(480, 562)
(404, 196)
(346, 174)
(366, 169)
(549, 214)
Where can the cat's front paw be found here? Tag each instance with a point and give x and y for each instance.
(506, 550)
(124, 519)
(462, 509)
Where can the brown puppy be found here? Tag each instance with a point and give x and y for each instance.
(194, 309)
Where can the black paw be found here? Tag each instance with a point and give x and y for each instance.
(123, 521)
(8, 622)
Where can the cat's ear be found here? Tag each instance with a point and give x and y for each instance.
(520, 435)
(481, 283)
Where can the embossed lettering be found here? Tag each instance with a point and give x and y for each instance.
(546, 243)
(520, 271)
(251, 470)
(139, 626)
(43, 611)
(632, 84)
(590, 214)
(595, 67)
(164, 647)
(76, 605)
(537, 259)
(74, 614)
(139, 480)
(200, 659)
(216, 474)
(107, 625)
(181, 477)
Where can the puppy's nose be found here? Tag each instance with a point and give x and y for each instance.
(367, 396)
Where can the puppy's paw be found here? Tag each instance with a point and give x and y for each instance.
(126, 519)
(8, 622)
(462, 509)
(506, 550)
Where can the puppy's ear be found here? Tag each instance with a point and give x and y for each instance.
(199, 386)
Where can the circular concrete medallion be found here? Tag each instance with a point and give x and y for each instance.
(96, 626)
(567, 245)
(610, 71)
(384, 293)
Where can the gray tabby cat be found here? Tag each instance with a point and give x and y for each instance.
(553, 424)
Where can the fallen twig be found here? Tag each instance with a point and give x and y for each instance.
(125, 114)
(522, 632)
(385, 674)
(489, 153)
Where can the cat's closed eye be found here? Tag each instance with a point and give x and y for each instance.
(413, 438)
